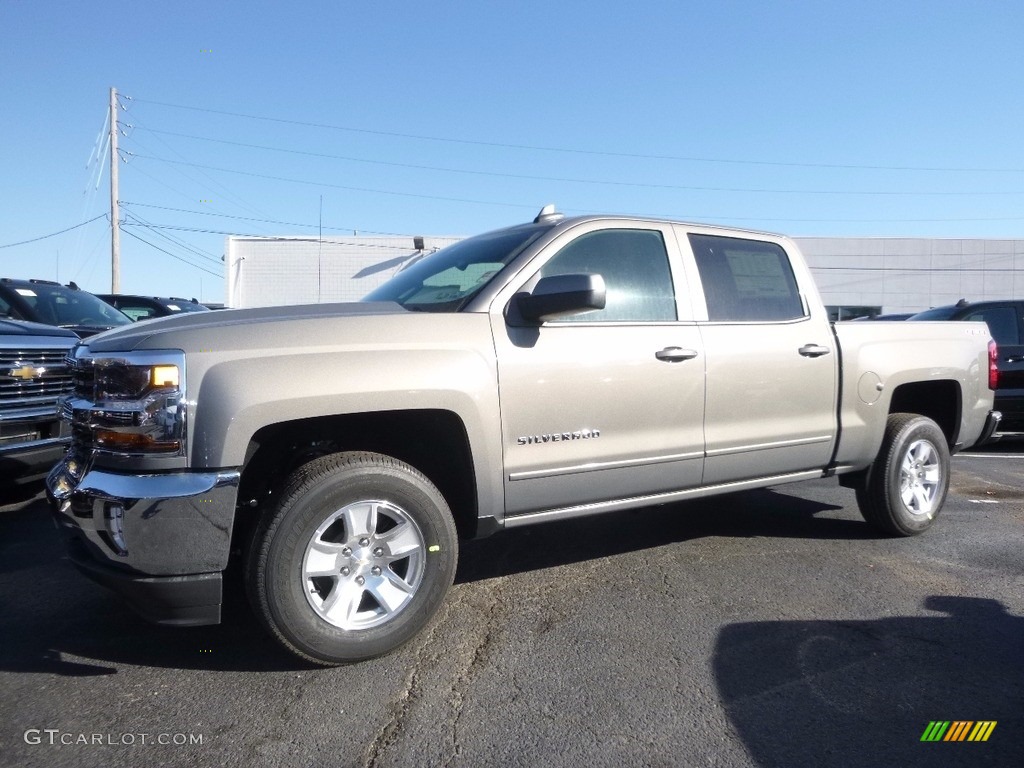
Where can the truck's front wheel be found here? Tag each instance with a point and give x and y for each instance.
(355, 559)
(904, 489)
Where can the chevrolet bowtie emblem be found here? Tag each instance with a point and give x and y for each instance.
(26, 372)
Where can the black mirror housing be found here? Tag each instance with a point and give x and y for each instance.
(561, 295)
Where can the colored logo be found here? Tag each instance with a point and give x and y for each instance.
(26, 372)
(958, 730)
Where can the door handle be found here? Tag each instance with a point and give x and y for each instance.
(1015, 358)
(675, 354)
(814, 350)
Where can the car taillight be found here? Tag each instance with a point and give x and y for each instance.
(993, 365)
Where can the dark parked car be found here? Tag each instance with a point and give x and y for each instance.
(50, 303)
(33, 374)
(893, 316)
(145, 307)
(1006, 324)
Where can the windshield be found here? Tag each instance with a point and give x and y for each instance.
(57, 305)
(446, 281)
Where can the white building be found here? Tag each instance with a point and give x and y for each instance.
(275, 271)
(904, 274)
(856, 276)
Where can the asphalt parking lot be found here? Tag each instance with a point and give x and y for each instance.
(769, 628)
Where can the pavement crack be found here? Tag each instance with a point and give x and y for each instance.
(389, 734)
(478, 655)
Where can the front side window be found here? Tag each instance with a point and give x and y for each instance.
(634, 265)
(746, 280)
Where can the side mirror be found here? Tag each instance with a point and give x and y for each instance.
(561, 295)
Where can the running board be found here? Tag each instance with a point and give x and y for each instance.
(582, 510)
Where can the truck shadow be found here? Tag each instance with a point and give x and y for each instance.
(1012, 442)
(57, 622)
(764, 512)
(840, 693)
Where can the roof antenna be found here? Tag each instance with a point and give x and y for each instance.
(548, 214)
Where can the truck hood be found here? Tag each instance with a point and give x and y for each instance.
(25, 328)
(201, 329)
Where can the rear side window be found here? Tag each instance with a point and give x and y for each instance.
(746, 280)
(138, 313)
(634, 265)
(1002, 324)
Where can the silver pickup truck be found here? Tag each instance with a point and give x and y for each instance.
(566, 367)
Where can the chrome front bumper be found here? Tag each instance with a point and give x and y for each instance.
(161, 540)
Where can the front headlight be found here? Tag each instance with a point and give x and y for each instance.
(131, 402)
(116, 380)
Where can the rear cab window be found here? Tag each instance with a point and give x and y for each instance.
(746, 280)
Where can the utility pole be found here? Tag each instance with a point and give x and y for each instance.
(115, 223)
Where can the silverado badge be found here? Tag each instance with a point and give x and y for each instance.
(555, 437)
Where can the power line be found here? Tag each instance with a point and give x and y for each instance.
(141, 222)
(558, 179)
(137, 169)
(690, 188)
(570, 150)
(173, 256)
(232, 197)
(263, 221)
(334, 186)
(54, 234)
(310, 238)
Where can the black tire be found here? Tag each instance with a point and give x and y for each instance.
(904, 489)
(330, 607)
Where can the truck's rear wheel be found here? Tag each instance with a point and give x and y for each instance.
(355, 559)
(904, 489)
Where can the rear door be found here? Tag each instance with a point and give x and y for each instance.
(771, 359)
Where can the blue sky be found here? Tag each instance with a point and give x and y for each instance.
(808, 118)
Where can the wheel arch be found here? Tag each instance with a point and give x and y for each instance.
(433, 441)
(941, 401)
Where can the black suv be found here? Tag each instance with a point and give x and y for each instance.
(145, 307)
(50, 303)
(1005, 321)
(33, 375)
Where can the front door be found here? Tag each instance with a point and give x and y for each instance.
(608, 404)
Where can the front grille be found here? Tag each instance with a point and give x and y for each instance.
(31, 380)
(11, 356)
